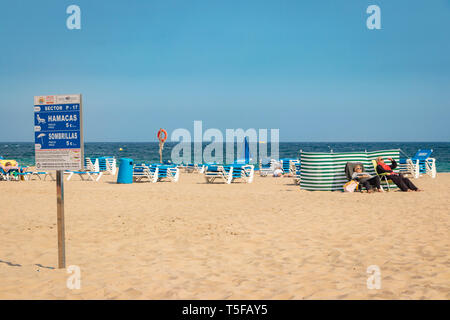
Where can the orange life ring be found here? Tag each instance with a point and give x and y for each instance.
(162, 139)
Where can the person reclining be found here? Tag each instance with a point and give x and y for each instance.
(367, 180)
(402, 182)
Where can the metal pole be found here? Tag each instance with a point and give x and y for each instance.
(60, 212)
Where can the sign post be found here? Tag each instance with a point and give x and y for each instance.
(58, 144)
(60, 218)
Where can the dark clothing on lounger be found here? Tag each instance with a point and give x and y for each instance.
(403, 183)
(366, 180)
(373, 182)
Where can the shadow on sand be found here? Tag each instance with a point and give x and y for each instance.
(19, 265)
(10, 263)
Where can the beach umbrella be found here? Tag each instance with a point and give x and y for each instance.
(41, 136)
(246, 150)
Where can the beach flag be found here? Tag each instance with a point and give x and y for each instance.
(326, 171)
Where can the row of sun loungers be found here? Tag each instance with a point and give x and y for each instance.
(10, 170)
(234, 172)
(94, 169)
(16, 175)
(420, 164)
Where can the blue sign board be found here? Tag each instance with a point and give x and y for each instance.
(58, 132)
(64, 120)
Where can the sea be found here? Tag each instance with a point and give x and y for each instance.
(147, 152)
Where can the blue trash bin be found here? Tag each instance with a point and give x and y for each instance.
(125, 171)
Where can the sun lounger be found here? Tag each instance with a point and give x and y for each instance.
(407, 167)
(7, 167)
(3, 175)
(107, 165)
(12, 171)
(13, 175)
(213, 172)
(22, 175)
(241, 172)
(421, 163)
(383, 177)
(295, 171)
(39, 175)
(91, 164)
(27, 175)
(9, 172)
(85, 175)
(350, 169)
(286, 164)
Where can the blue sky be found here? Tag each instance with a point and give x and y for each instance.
(310, 68)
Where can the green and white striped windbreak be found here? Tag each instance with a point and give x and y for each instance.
(326, 171)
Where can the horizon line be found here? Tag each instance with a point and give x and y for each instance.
(393, 141)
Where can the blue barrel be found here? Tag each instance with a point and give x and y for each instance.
(125, 171)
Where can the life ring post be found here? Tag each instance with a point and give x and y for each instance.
(162, 137)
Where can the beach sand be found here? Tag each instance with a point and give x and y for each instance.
(192, 240)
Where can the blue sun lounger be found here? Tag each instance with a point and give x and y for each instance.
(91, 164)
(420, 164)
(3, 174)
(213, 172)
(424, 163)
(286, 164)
(243, 172)
(9, 173)
(168, 172)
(107, 165)
(142, 172)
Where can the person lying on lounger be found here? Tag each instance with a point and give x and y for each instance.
(278, 172)
(402, 182)
(8, 166)
(367, 180)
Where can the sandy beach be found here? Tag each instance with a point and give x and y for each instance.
(192, 240)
